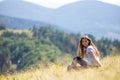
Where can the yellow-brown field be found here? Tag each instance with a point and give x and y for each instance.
(109, 71)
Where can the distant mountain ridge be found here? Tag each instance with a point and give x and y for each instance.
(17, 23)
(93, 17)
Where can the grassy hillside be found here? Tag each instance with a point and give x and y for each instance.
(22, 49)
(109, 71)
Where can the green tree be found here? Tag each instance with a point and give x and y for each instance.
(2, 27)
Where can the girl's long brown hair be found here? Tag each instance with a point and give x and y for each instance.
(81, 49)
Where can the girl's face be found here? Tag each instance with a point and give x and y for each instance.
(85, 42)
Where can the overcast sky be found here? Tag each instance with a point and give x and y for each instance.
(59, 3)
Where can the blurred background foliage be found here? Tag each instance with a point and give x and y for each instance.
(21, 49)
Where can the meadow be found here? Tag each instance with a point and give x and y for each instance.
(109, 71)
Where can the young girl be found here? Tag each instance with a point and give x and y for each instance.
(88, 51)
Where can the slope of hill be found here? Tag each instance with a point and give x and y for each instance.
(22, 9)
(26, 48)
(110, 70)
(93, 17)
(18, 23)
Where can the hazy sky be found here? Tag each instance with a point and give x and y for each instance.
(58, 3)
(52, 3)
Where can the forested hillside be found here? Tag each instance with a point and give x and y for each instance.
(18, 23)
(21, 49)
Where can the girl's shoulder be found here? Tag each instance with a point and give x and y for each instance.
(90, 49)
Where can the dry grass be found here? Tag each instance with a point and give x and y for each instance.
(109, 71)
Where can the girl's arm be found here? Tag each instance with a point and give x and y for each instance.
(94, 59)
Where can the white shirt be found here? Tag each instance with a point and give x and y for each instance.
(88, 57)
